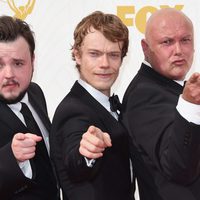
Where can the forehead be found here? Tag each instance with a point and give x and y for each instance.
(97, 41)
(170, 24)
(175, 25)
(16, 48)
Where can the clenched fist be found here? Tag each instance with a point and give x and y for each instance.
(24, 146)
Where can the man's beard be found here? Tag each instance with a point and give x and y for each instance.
(13, 101)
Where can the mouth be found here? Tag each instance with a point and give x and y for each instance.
(104, 76)
(10, 85)
(179, 62)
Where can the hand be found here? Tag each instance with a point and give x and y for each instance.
(191, 91)
(24, 145)
(94, 142)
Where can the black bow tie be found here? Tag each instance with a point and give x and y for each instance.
(115, 104)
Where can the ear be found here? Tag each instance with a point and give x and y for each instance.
(33, 60)
(77, 56)
(145, 48)
(144, 45)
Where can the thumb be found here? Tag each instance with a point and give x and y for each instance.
(92, 129)
(95, 131)
(19, 136)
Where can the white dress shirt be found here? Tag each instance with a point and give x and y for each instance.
(25, 165)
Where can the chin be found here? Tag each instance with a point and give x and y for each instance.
(12, 98)
(178, 77)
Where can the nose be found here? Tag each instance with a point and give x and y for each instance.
(8, 71)
(178, 49)
(105, 60)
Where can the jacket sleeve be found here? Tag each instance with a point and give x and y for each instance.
(164, 138)
(69, 124)
(12, 179)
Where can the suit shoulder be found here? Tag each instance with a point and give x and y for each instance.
(35, 93)
(71, 104)
(35, 87)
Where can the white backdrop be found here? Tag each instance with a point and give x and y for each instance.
(53, 22)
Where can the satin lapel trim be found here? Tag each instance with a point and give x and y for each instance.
(11, 120)
(88, 99)
(41, 113)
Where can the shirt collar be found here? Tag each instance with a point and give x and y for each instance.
(17, 106)
(99, 96)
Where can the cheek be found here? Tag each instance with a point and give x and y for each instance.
(116, 66)
(163, 58)
(1, 81)
(24, 82)
(86, 73)
(116, 72)
(161, 64)
(190, 56)
(25, 77)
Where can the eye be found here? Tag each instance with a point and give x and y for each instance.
(114, 55)
(18, 63)
(186, 40)
(94, 53)
(167, 42)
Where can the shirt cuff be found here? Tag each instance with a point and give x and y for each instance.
(89, 162)
(189, 111)
(25, 166)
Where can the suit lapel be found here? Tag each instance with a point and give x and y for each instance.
(107, 122)
(11, 124)
(88, 99)
(40, 109)
(167, 83)
(9, 118)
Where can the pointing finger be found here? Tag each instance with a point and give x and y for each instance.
(107, 139)
(194, 78)
(34, 137)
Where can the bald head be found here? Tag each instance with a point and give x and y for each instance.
(163, 18)
(169, 43)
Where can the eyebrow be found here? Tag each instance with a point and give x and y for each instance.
(114, 51)
(18, 59)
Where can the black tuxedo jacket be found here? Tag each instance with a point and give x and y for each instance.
(13, 184)
(109, 178)
(168, 144)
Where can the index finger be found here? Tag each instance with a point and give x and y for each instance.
(107, 139)
(194, 78)
(34, 137)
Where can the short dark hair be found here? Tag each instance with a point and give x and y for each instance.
(109, 25)
(11, 28)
